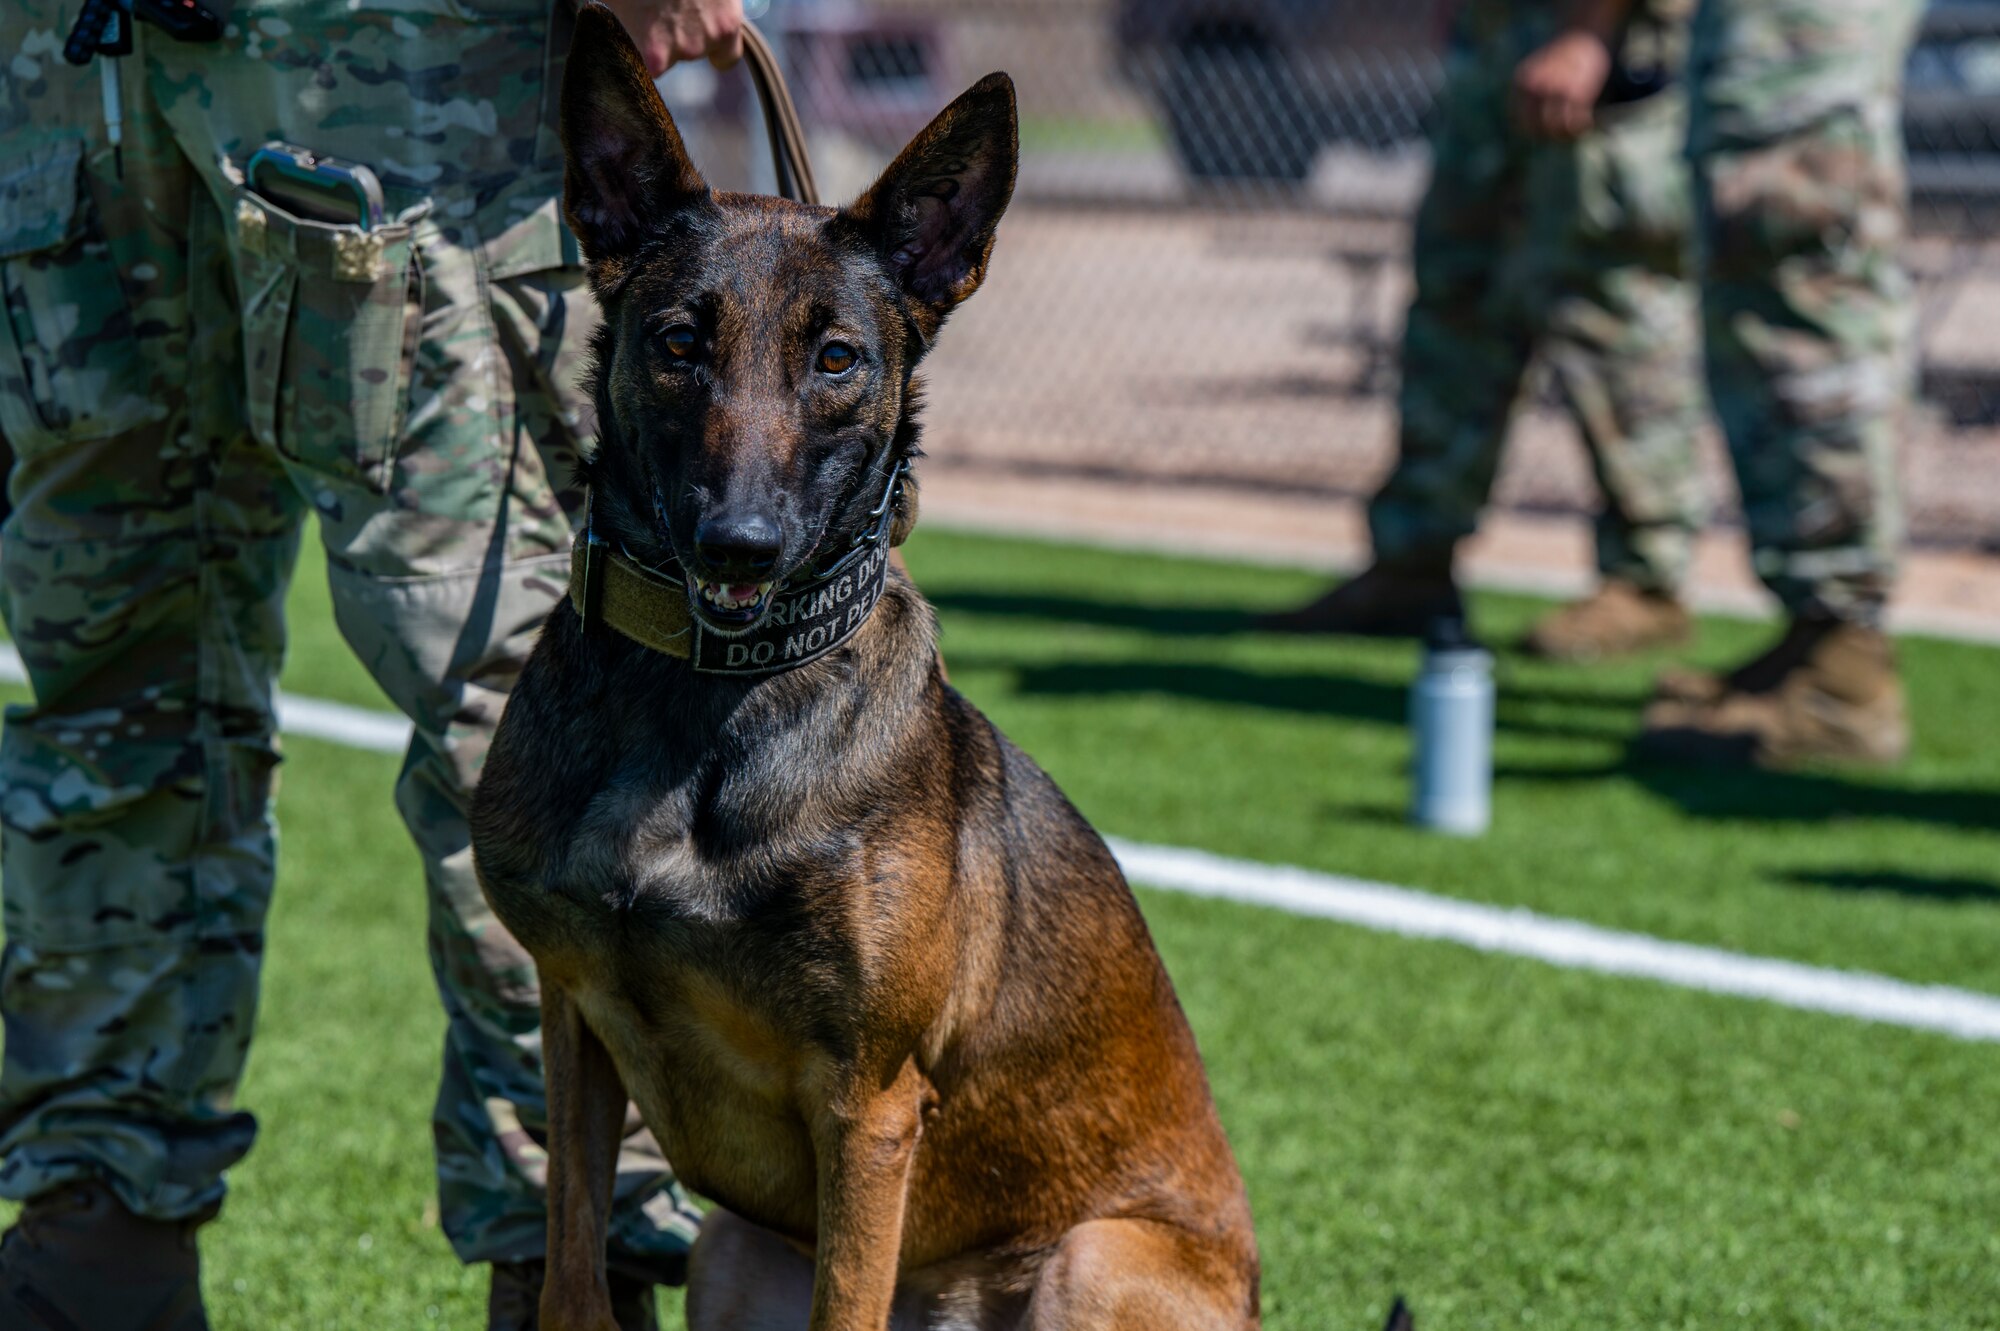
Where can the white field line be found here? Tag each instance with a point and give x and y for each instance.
(1567, 943)
(1571, 944)
(356, 727)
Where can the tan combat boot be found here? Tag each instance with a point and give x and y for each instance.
(1618, 619)
(1760, 674)
(77, 1260)
(1829, 690)
(1382, 601)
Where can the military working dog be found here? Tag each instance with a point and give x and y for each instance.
(877, 988)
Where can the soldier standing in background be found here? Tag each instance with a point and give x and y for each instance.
(1796, 142)
(1576, 245)
(186, 369)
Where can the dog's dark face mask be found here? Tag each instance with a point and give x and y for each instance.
(753, 374)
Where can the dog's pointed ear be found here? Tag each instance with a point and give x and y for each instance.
(932, 214)
(625, 167)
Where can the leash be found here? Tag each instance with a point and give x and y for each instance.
(808, 618)
(781, 119)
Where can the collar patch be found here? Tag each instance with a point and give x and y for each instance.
(806, 620)
(801, 625)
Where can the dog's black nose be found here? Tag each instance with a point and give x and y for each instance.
(739, 545)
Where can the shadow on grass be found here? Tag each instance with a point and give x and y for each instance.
(1176, 620)
(1307, 693)
(1608, 714)
(1801, 797)
(1753, 796)
(1374, 813)
(1631, 701)
(1215, 622)
(1931, 887)
(1302, 692)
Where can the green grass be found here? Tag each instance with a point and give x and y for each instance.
(1508, 1144)
(1134, 682)
(1080, 134)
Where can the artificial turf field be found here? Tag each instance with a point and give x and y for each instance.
(1508, 1144)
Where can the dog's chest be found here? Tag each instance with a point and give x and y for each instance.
(683, 855)
(724, 1074)
(622, 823)
(699, 890)
(719, 981)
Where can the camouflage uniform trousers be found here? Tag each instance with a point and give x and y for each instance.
(186, 373)
(1798, 162)
(1579, 252)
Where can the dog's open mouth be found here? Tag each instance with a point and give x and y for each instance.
(730, 605)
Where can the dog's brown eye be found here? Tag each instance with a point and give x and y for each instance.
(837, 358)
(680, 341)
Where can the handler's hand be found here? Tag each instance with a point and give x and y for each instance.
(1556, 87)
(669, 31)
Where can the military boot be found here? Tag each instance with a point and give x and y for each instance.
(1832, 692)
(77, 1260)
(1618, 619)
(1760, 674)
(514, 1301)
(1383, 601)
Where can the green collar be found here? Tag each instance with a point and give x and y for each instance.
(807, 618)
(646, 607)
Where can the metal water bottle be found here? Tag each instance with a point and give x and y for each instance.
(1451, 729)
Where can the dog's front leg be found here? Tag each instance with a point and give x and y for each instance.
(865, 1137)
(586, 1120)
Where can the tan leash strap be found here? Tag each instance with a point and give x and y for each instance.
(781, 119)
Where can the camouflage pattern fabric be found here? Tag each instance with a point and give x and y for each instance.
(1577, 251)
(185, 372)
(1798, 160)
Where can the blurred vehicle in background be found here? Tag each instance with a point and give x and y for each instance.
(860, 72)
(878, 74)
(1252, 90)
(1951, 108)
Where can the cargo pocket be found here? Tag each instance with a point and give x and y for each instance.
(70, 369)
(1636, 194)
(331, 316)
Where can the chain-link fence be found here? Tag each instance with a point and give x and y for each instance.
(1203, 274)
